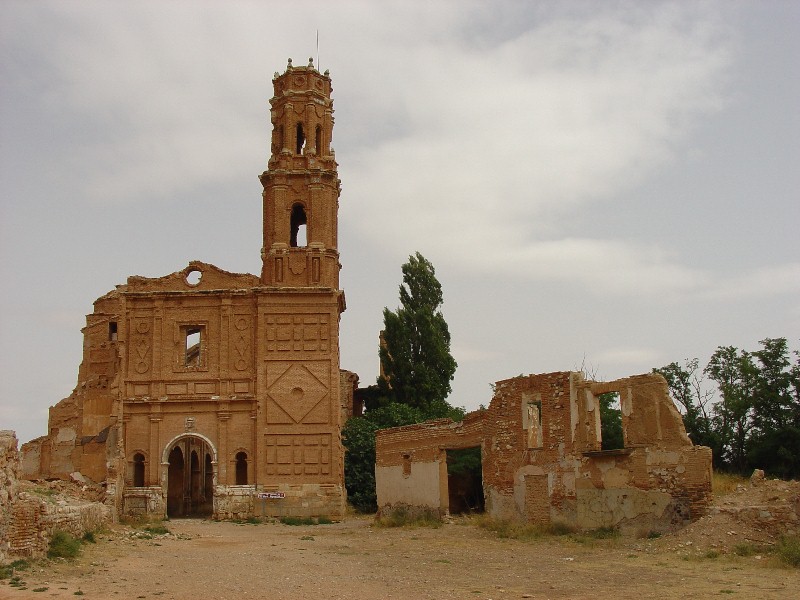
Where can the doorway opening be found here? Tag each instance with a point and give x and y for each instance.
(465, 481)
(190, 479)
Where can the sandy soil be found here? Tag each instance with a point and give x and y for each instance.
(355, 560)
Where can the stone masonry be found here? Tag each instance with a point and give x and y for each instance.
(542, 461)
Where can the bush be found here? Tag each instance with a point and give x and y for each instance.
(789, 550)
(7, 571)
(63, 545)
(358, 437)
(723, 484)
(297, 520)
(156, 529)
(403, 516)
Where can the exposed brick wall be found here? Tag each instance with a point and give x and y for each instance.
(542, 462)
(28, 520)
(9, 467)
(247, 364)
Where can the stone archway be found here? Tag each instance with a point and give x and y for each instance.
(190, 462)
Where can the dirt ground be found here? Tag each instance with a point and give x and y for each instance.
(358, 561)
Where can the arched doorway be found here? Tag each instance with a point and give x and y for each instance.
(190, 477)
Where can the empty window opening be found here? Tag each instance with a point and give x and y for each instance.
(465, 480)
(112, 331)
(194, 276)
(611, 437)
(301, 139)
(138, 470)
(298, 237)
(318, 140)
(193, 338)
(241, 468)
(534, 424)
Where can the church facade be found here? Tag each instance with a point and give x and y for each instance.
(211, 393)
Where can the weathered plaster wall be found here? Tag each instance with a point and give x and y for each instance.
(542, 462)
(411, 461)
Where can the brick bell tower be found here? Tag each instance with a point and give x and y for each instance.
(301, 184)
(300, 400)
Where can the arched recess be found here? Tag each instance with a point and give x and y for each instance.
(240, 468)
(298, 227)
(189, 474)
(139, 461)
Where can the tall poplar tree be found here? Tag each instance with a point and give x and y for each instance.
(416, 363)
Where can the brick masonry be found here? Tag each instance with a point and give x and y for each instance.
(201, 388)
(542, 460)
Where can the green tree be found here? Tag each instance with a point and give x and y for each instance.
(687, 388)
(358, 437)
(416, 363)
(735, 374)
(610, 422)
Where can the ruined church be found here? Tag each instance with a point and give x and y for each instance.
(209, 393)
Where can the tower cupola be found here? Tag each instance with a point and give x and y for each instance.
(301, 183)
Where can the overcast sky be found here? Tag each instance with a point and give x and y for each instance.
(608, 184)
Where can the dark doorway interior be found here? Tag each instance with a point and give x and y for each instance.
(190, 479)
(465, 480)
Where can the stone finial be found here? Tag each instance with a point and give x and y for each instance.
(327, 73)
(289, 65)
(276, 75)
(310, 62)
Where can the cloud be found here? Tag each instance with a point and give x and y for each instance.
(504, 144)
(763, 281)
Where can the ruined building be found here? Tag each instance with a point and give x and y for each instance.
(202, 389)
(541, 457)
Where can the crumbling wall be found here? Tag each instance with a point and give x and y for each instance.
(29, 516)
(411, 461)
(542, 458)
(9, 466)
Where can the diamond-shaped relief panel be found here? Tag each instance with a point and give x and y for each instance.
(297, 391)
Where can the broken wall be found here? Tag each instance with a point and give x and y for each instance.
(411, 461)
(542, 459)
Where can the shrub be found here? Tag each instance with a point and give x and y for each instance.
(88, 538)
(297, 520)
(403, 516)
(745, 549)
(723, 484)
(156, 529)
(789, 550)
(7, 571)
(603, 533)
(63, 545)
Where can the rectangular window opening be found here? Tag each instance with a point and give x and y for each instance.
(534, 422)
(112, 331)
(611, 436)
(193, 345)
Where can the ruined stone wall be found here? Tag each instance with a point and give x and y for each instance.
(36, 519)
(9, 468)
(411, 461)
(28, 519)
(542, 457)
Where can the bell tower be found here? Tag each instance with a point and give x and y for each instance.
(301, 184)
(300, 402)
